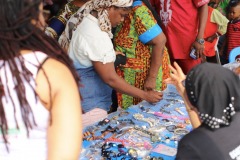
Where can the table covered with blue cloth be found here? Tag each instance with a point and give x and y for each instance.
(144, 131)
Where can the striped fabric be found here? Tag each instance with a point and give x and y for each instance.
(233, 35)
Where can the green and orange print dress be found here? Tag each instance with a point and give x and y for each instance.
(131, 37)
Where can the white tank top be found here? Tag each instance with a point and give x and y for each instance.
(22, 147)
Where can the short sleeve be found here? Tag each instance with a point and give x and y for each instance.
(145, 24)
(89, 44)
(99, 48)
(200, 3)
(220, 20)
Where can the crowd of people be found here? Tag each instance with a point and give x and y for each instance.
(59, 75)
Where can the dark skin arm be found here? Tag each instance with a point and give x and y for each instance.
(202, 14)
(158, 44)
(211, 38)
(108, 74)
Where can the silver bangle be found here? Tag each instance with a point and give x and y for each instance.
(181, 131)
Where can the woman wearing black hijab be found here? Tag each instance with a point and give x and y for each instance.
(213, 93)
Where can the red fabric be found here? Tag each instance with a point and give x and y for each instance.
(187, 64)
(233, 36)
(211, 29)
(181, 23)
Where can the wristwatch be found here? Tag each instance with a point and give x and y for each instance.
(200, 40)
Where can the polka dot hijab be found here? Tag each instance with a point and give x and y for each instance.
(215, 92)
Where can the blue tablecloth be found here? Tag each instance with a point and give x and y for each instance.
(167, 106)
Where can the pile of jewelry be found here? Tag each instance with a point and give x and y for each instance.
(144, 131)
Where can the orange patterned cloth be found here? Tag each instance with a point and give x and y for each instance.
(127, 39)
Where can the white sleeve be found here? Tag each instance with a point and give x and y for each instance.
(100, 48)
(94, 47)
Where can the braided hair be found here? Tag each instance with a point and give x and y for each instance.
(18, 33)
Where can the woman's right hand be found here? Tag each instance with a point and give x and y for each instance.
(152, 96)
(176, 78)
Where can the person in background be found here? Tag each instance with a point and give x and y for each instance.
(220, 5)
(183, 23)
(237, 71)
(233, 30)
(40, 115)
(215, 27)
(91, 49)
(53, 6)
(56, 24)
(212, 93)
(142, 40)
(234, 66)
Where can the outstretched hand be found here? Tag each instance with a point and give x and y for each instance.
(176, 78)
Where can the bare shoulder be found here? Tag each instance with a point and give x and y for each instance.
(54, 78)
(55, 68)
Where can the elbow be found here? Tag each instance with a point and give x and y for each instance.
(161, 39)
(164, 39)
(110, 80)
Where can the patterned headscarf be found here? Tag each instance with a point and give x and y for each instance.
(104, 22)
(215, 92)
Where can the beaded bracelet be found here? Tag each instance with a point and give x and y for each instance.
(171, 128)
(172, 94)
(154, 158)
(174, 100)
(154, 138)
(123, 141)
(181, 131)
(123, 113)
(114, 150)
(150, 121)
(126, 120)
(89, 136)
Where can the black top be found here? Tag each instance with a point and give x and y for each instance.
(206, 144)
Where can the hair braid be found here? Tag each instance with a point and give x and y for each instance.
(18, 33)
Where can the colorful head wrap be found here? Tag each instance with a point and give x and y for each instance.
(104, 22)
